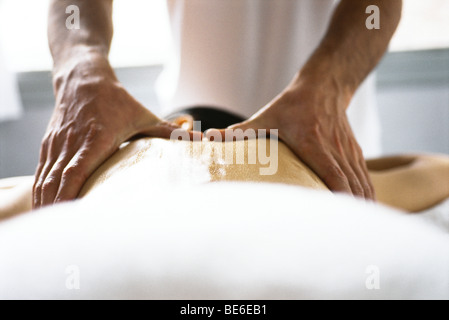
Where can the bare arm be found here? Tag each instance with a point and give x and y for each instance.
(93, 114)
(94, 35)
(349, 51)
(311, 112)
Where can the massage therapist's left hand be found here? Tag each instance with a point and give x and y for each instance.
(310, 113)
(312, 121)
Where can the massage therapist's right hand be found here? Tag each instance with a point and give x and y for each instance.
(93, 116)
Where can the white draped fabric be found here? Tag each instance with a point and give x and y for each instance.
(240, 54)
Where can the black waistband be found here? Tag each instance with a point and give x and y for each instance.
(210, 117)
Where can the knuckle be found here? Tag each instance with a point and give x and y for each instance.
(58, 167)
(97, 132)
(37, 188)
(49, 184)
(74, 173)
(335, 174)
(367, 187)
(358, 189)
(315, 130)
(70, 171)
(371, 191)
(71, 137)
(95, 127)
(45, 143)
(47, 137)
(38, 184)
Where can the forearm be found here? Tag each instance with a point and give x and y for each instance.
(349, 51)
(85, 48)
(310, 114)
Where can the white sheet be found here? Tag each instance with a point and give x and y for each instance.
(438, 215)
(224, 241)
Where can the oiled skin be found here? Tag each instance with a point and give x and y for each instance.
(164, 161)
(410, 183)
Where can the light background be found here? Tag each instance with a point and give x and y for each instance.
(413, 79)
(142, 35)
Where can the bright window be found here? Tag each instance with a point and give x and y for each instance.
(424, 25)
(142, 31)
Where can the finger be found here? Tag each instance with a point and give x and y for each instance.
(47, 165)
(148, 124)
(41, 181)
(347, 153)
(353, 179)
(325, 166)
(58, 157)
(365, 178)
(364, 175)
(88, 158)
(40, 167)
(76, 173)
(233, 133)
(51, 185)
(360, 169)
(167, 130)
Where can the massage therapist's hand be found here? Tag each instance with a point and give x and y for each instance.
(310, 113)
(312, 121)
(93, 115)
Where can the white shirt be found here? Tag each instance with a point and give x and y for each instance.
(240, 54)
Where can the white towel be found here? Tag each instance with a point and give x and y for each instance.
(438, 215)
(223, 241)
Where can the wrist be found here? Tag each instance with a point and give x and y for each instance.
(318, 86)
(323, 74)
(83, 64)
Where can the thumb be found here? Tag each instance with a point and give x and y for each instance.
(221, 134)
(215, 134)
(148, 124)
(241, 131)
(167, 130)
